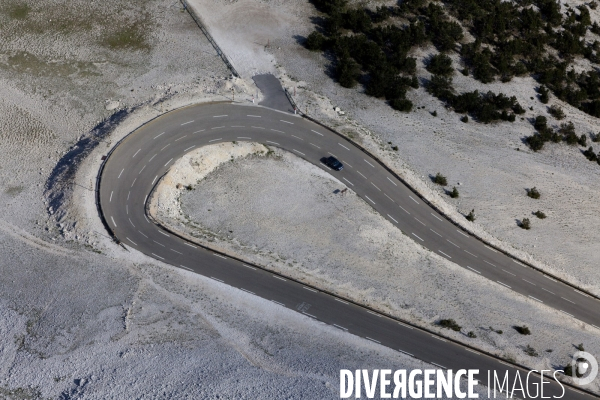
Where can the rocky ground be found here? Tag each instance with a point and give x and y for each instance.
(278, 211)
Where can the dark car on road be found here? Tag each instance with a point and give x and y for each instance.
(334, 163)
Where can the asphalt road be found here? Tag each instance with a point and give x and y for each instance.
(139, 161)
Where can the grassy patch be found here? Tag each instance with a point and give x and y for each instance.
(132, 37)
(18, 11)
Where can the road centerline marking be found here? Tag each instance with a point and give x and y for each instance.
(369, 163)
(417, 237)
(344, 146)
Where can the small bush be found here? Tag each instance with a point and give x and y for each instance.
(539, 214)
(582, 140)
(580, 347)
(596, 138)
(533, 193)
(395, 148)
(471, 216)
(557, 112)
(523, 330)
(440, 179)
(530, 351)
(544, 97)
(449, 324)
(453, 193)
(525, 223)
(465, 71)
(189, 187)
(471, 334)
(434, 113)
(440, 64)
(403, 105)
(464, 119)
(499, 332)
(590, 155)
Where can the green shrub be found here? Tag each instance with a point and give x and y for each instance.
(449, 324)
(453, 193)
(590, 155)
(582, 140)
(523, 330)
(315, 41)
(471, 216)
(471, 334)
(404, 105)
(580, 347)
(533, 193)
(539, 214)
(530, 351)
(395, 148)
(544, 97)
(525, 223)
(434, 113)
(557, 112)
(464, 119)
(440, 64)
(347, 72)
(440, 179)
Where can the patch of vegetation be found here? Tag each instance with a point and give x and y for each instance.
(539, 214)
(471, 334)
(523, 330)
(533, 193)
(525, 223)
(471, 216)
(499, 332)
(580, 347)
(453, 193)
(132, 36)
(440, 179)
(449, 324)
(440, 64)
(557, 112)
(530, 351)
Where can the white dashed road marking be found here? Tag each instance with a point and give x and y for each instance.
(307, 288)
(372, 340)
(413, 199)
(536, 299)
(136, 153)
(220, 256)
(343, 146)
(392, 218)
(510, 273)
(153, 180)
(187, 244)
(444, 254)
(110, 199)
(435, 232)
(159, 135)
(464, 234)
(392, 181)
(567, 300)
(417, 237)
(268, 141)
(120, 173)
(315, 145)
(348, 181)
(168, 162)
(361, 174)
(287, 122)
(316, 132)
(159, 243)
(214, 140)
(190, 148)
(437, 217)
(468, 252)
(185, 123)
(369, 163)
(549, 291)
(370, 199)
(341, 301)
(340, 327)
(474, 270)
(504, 284)
(531, 283)
(281, 279)
(158, 256)
(375, 186)
(219, 116)
(131, 240)
(448, 240)
(299, 152)
(420, 221)
(404, 209)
